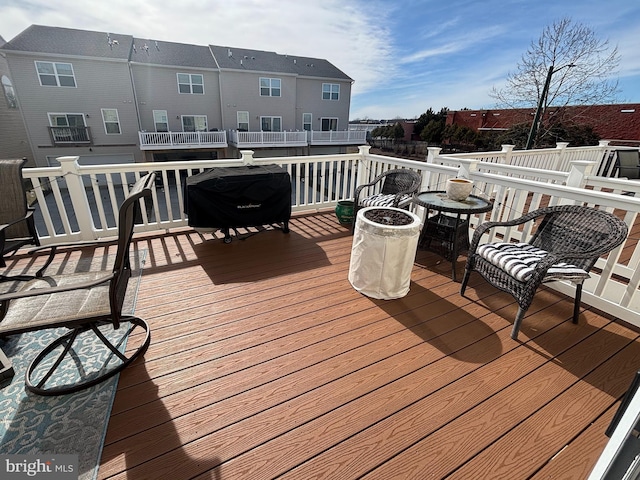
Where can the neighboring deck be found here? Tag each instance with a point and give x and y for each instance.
(265, 362)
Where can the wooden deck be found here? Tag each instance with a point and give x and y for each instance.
(266, 363)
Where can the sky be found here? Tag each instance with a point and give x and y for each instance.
(405, 56)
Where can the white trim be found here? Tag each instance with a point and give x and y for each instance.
(117, 122)
(191, 84)
(55, 74)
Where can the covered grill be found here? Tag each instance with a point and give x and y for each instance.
(234, 197)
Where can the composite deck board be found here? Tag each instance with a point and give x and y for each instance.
(266, 363)
(270, 365)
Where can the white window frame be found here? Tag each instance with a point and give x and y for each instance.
(159, 117)
(331, 120)
(195, 122)
(307, 122)
(115, 122)
(331, 91)
(270, 87)
(50, 116)
(242, 118)
(190, 83)
(55, 74)
(270, 119)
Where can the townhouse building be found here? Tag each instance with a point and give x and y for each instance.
(13, 136)
(116, 98)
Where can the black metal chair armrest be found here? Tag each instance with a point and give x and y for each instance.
(54, 249)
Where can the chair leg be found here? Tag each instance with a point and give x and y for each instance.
(576, 304)
(517, 322)
(465, 280)
(115, 360)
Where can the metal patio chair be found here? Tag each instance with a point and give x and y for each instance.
(17, 226)
(90, 305)
(396, 188)
(568, 241)
(628, 164)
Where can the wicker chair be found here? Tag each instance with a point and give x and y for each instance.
(90, 305)
(396, 188)
(566, 244)
(17, 227)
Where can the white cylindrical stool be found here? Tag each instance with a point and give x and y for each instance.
(382, 255)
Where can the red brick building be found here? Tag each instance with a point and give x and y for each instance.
(610, 122)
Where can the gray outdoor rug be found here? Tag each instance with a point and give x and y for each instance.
(66, 424)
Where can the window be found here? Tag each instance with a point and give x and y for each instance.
(68, 127)
(243, 121)
(270, 87)
(66, 119)
(306, 122)
(330, 91)
(9, 92)
(271, 124)
(161, 120)
(329, 124)
(194, 123)
(56, 74)
(111, 121)
(190, 83)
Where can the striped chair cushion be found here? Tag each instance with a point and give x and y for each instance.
(520, 259)
(383, 200)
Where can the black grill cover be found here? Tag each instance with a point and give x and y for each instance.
(231, 197)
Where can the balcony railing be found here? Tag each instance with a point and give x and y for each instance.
(296, 139)
(180, 140)
(77, 202)
(338, 137)
(70, 135)
(267, 139)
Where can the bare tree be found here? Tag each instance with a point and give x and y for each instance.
(568, 65)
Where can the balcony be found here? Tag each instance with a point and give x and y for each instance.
(268, 365)
(70, 135)
(267, 139)
(295, 139)
(340, 137)
(181, 140)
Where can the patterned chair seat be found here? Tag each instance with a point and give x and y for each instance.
(384, 200)
(520, 259)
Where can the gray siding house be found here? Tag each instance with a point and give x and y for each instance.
(14, 142)
(113, 98)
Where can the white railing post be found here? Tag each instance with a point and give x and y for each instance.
(467, 165)
(432, 154)
(361, 175)
(78, 196)
(578, 171)
(508, 152)
(247, 157)
(562, 149)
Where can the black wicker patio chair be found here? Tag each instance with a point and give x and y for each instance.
(568, 241)
(90, 305)
(17, 227)
(396, 189)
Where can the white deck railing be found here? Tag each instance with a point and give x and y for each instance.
(76, 202)
(179, 140)
(338, 137)
(267, 139)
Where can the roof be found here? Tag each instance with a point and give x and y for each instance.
(85, 43)
(68, 41)
(154, 52)
(261, 61)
